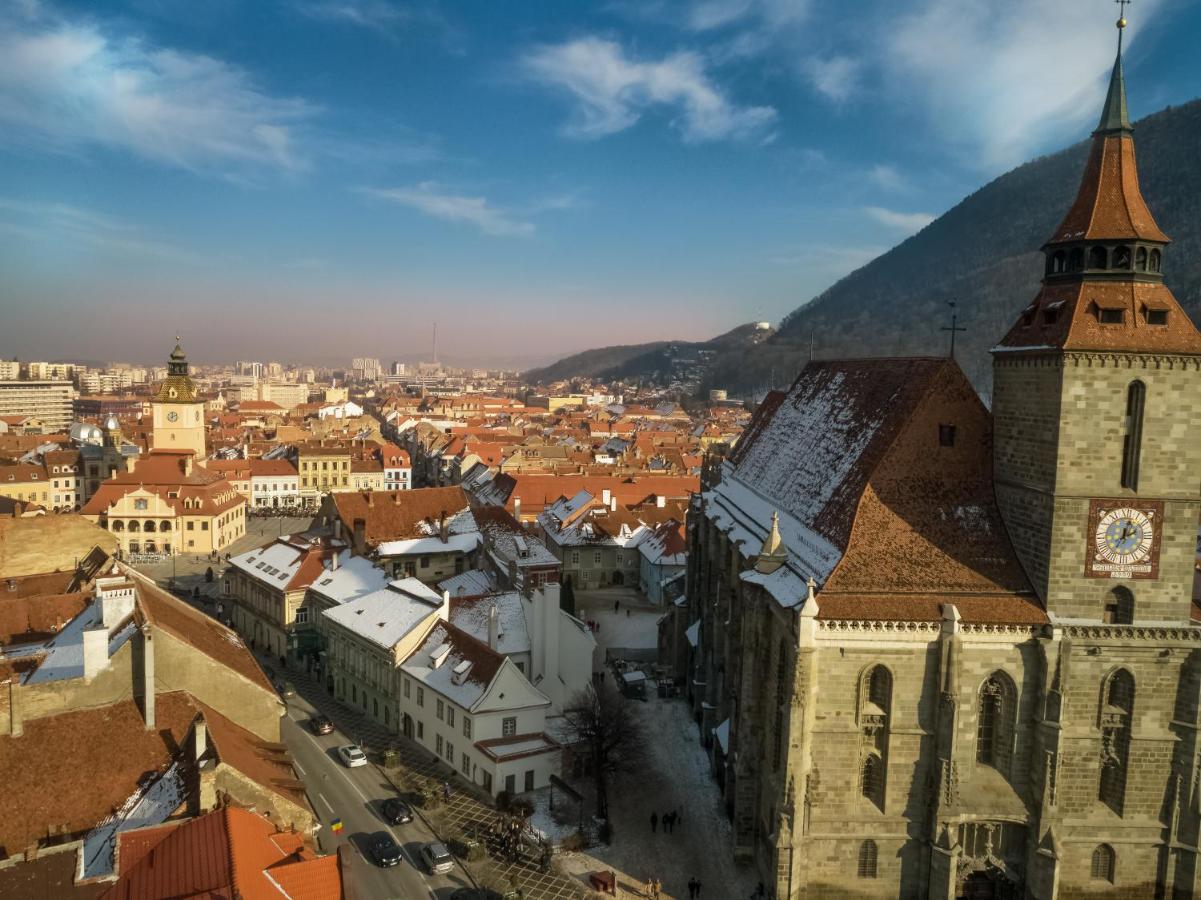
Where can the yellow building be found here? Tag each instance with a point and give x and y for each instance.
(324, 466)
(177, 410)
(167, 503)
(22, 481)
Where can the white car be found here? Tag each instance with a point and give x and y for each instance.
(352, 756)
(437, 859)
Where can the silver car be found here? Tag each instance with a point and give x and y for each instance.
(437, 858)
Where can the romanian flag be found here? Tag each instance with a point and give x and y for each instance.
(335, 826)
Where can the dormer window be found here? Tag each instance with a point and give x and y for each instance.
(1028, 316)
(946, 435)
(1111, 316)
(1050, 316)
(1155, 315)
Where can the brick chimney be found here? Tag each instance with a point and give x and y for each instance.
(494, 627)
(360, 534)
(443, 527)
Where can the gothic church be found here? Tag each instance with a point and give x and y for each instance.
(938, 651)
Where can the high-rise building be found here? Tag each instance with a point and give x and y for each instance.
(10, 370)
(398, 368)
(47, 401)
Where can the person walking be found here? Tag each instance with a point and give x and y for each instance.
(676, 817)
(616, 606)
(692, 888)
(698, 888)
(654, 822)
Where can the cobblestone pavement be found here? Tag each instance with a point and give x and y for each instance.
(465, 812)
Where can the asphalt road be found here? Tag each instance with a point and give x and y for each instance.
(355, 796)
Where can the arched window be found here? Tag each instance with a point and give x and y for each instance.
(1058, 262)
(994, 730)
(1103, 864)
(871, 778)
(149, 526)
(1076, 260)
(117, 525)
(135, 525)
(1140, 259)
(1155, 257)
(1136, 396)
(879, 691)
(164, 525)
(1119, 607)
(868, 854)
(1098, 258)
(1117, 711)
(1121, 258)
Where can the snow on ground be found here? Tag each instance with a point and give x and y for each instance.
(676, 777)
(637, 630)
(554, 824)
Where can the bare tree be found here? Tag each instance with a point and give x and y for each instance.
(606, 731)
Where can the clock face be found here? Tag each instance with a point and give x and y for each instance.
(1123, 539)
(173, 416)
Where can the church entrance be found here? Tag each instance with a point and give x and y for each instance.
(988, 885)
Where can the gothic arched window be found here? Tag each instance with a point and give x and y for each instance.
(1103, 864)
(1098, 258)
(868, 855)
(1117, 710)
(1140, 259)
(994, 730)
(1136, 397)
(871, 778)
(1119, 607)
(1058, 262)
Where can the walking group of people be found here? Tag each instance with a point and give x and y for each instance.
(669, 820)
(653, 887)
(507, 831)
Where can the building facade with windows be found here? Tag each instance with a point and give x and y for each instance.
(323, 467)
(943, 651)
(50, 402)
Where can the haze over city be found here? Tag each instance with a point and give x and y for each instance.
(310, 179)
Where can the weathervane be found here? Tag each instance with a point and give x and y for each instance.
(1121, 23)
(954, 326)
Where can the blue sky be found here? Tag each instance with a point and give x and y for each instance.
(315, 179)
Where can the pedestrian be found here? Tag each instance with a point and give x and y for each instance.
(446, 791)
(616, 606)
(602, 676)
(693, 886)
(667, 822)
(654, 822)
(649, 889)
(760, 891)
(658, 888)
(698, 888)
(627, 612)
(675, 816)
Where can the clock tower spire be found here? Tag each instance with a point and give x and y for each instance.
(178, 410)
(1097, 403)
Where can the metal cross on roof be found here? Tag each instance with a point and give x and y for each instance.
(954, 326)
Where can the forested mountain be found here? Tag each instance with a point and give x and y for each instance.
(983, 255)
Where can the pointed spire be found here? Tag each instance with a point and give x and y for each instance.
(773, 553)
(1114, 115)
(771, 543)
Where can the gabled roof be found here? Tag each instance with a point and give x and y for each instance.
(398, 515)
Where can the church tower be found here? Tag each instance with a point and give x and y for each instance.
(178, 412)
(1097, 405)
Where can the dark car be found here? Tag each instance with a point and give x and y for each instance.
(321, 725)
(397, 812)
(385, 851)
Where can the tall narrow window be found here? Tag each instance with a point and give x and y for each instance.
(781, 704)
(867, 859)
(871, 778)
(1117, 711)
(1119, 607)
(1136, 396)
(994, 729)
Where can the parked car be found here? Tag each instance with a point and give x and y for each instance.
(352, 756)
(397, 812)
(322, 725)
(286, 689)
(384, 850)
(437, 858)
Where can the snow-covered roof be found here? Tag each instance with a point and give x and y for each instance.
(354, 577)
(454, 543)
(471, 583)
(472, 616)
(385, 616)
(452, 646)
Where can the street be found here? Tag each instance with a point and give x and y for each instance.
(355, 796)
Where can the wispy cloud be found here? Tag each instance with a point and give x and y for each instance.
(75, 88)
(909, 223)
(887, 178)
(374, 15)
(72, 227)
(835, 78)
(613, 91)
(830, 259)
(430, 198)
(1000, 86)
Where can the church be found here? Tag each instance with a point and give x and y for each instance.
(938, 650)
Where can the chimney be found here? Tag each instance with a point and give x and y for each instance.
(606, 495)
(129, 461)
(444, 609)
(371, 499)
(612, 503)
(333, 562)
(338, 529)
(494, 627)
(187, 465)
(660, 501)
(517, 508)
(360, 534)
(199, 738)
(443, 527)
(148, 676)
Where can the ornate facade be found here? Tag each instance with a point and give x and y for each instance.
(939, 651)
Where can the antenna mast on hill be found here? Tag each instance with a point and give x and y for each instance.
(954, 327)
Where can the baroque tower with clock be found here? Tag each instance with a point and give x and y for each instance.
(1097, 406)
(178, 411)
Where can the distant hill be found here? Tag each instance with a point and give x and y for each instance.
(984, 255)
(659, 362)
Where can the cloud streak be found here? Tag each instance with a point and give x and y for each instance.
(430, 198)
(613, 91)
(71, 227)
(74, 88)
(909, 223)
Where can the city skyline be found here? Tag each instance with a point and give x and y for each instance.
(520, 173)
